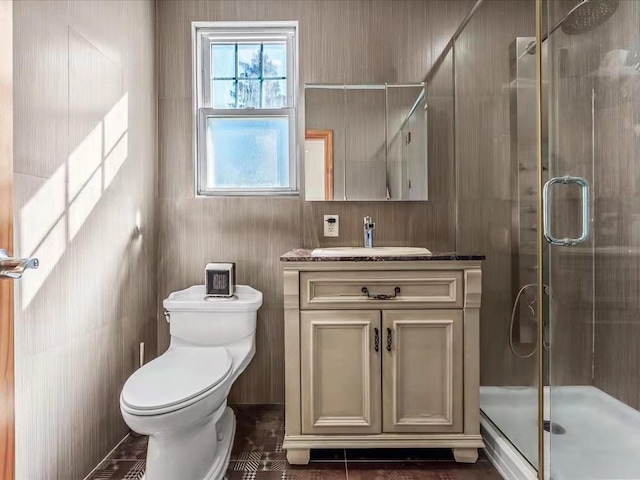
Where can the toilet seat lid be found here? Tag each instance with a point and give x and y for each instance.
(175, 377)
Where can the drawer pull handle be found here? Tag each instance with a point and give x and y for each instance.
(376, 340)
(381, 296)
(389, 339)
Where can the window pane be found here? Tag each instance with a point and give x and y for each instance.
(249, 61)
(249, 94)
(223, 94)
(274, 93)
(274, 59)
(223, 61)
(248, 152)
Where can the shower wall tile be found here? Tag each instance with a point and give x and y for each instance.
(482, 50)
(617, 207)
(484, 159)
(595, 286)
(85, 116)
(484, 169)
(485, 225)
(617, 327)
(571, 316)
(339, 42)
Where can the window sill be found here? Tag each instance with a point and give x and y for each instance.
(249, 194)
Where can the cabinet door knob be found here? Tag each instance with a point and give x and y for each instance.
(389, 339)
(376, 340)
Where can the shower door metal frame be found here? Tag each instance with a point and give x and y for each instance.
(539, 243)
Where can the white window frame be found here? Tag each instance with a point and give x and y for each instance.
(203, 35)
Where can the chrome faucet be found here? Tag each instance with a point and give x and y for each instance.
(369, 226)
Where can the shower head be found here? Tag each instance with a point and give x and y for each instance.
(587, 15)
(583, 17)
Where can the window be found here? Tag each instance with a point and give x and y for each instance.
(245, 106)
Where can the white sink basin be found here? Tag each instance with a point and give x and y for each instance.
(370, 252)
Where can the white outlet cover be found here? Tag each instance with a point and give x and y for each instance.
(331, 229)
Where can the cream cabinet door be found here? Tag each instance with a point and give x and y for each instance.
(422, 371)
(340, 366)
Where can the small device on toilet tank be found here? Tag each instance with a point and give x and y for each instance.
(220, 279)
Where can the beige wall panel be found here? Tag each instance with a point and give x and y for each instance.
(368, 41)
(253, 232)
(616, 192)
(484, 170)
(86, 128)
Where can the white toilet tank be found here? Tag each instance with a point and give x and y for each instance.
(200, 320)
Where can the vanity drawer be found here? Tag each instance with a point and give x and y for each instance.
(435, 289)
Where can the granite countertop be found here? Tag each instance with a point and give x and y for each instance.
(304, 255)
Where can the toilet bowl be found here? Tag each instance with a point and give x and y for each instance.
(180, 399)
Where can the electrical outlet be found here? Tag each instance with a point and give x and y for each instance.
(331, 226)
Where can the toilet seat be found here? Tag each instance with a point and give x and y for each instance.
(175, 379)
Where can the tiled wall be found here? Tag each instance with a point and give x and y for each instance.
(484, 174)
(85, 173)
(596, 311)
(340, 42)
(594, 328)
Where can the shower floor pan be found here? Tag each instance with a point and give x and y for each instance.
(601, 439)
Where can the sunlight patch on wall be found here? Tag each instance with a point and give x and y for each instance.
(115, 159)
(84, 203)
(84, 161)
(42, 211)
(55, 214)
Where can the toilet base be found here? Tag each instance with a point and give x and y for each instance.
(225, 431)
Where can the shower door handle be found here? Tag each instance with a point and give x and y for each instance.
(586, 210)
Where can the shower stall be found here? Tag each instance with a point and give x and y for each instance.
(544, 103)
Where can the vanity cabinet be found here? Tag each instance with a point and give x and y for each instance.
(382, 354)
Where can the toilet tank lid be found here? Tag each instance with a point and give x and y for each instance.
(246, 299)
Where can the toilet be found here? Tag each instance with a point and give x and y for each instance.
(180, 399)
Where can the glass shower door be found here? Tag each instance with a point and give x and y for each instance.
(592, 227)
(496, 194)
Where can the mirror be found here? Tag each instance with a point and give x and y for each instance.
(366, 142)
(318, 164)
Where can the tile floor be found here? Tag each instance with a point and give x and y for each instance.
(257, 455)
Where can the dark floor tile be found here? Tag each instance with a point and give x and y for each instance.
(254, 464)
(132, 448)
(438, 470)
(254, 475)
(258, 455)
(259, 433)
(410, 474)
(325, 473)
(424, 472)
(287, 472)
(119, 470)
